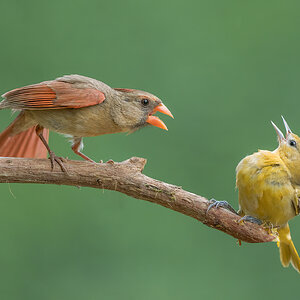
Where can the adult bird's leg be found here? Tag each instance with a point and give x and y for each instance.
(52, 156)
(77, 146)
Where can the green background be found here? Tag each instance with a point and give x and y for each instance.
(224, 69)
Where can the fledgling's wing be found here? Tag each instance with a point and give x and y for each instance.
(265, 189)
(56, 94)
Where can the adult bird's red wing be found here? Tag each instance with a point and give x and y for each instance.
(52, 95)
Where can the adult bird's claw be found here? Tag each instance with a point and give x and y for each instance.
(53, 158)
(224, 204)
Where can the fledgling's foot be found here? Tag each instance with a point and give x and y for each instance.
(250, 219)
(53, 158)
(214, 203)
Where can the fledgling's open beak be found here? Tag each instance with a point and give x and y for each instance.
(287, 127)
(155, 121)
(279, 133)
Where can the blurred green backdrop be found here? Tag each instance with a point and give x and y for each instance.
(225, 69)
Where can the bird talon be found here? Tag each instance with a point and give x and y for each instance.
(63, 159)
(250, 219)
(53, 158)
(270, 228)
(224, 204)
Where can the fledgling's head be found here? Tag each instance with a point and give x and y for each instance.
(289, 148)
(135, 109)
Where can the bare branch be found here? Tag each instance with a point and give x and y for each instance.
(126, 177)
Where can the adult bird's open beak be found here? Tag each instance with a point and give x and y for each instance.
(155, 121)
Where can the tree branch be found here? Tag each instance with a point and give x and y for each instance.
(126, 177)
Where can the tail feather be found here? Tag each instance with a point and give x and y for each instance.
(287, 250)
(285, 254)
(25, 144)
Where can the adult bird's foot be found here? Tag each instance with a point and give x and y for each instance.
(250, 219)
(216, 204)
(53, 158)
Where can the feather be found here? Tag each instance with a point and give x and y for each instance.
(52, 95)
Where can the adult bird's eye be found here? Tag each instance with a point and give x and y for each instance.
(145, 102)
(292, 143)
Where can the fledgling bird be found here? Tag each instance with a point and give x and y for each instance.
(76, 106)
(268, 184)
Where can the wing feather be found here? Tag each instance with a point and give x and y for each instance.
(52, 95)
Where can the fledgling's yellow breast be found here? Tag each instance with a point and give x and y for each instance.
(265, 189)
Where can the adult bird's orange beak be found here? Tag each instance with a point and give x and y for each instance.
(155, 121)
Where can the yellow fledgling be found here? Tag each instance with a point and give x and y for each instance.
(268, 185)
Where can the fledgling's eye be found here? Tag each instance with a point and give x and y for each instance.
(145, 102)
(292, 143)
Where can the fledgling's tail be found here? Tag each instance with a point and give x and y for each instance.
(24, 144)
(288, 252)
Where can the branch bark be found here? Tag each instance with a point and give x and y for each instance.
(126, 177)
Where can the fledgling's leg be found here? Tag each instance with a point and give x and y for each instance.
(213, 203)
(250, 219)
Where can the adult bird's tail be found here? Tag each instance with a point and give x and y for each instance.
(288, 252)
(24, 144)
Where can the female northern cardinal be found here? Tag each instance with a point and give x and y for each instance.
(76, 106)
(268, 184)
